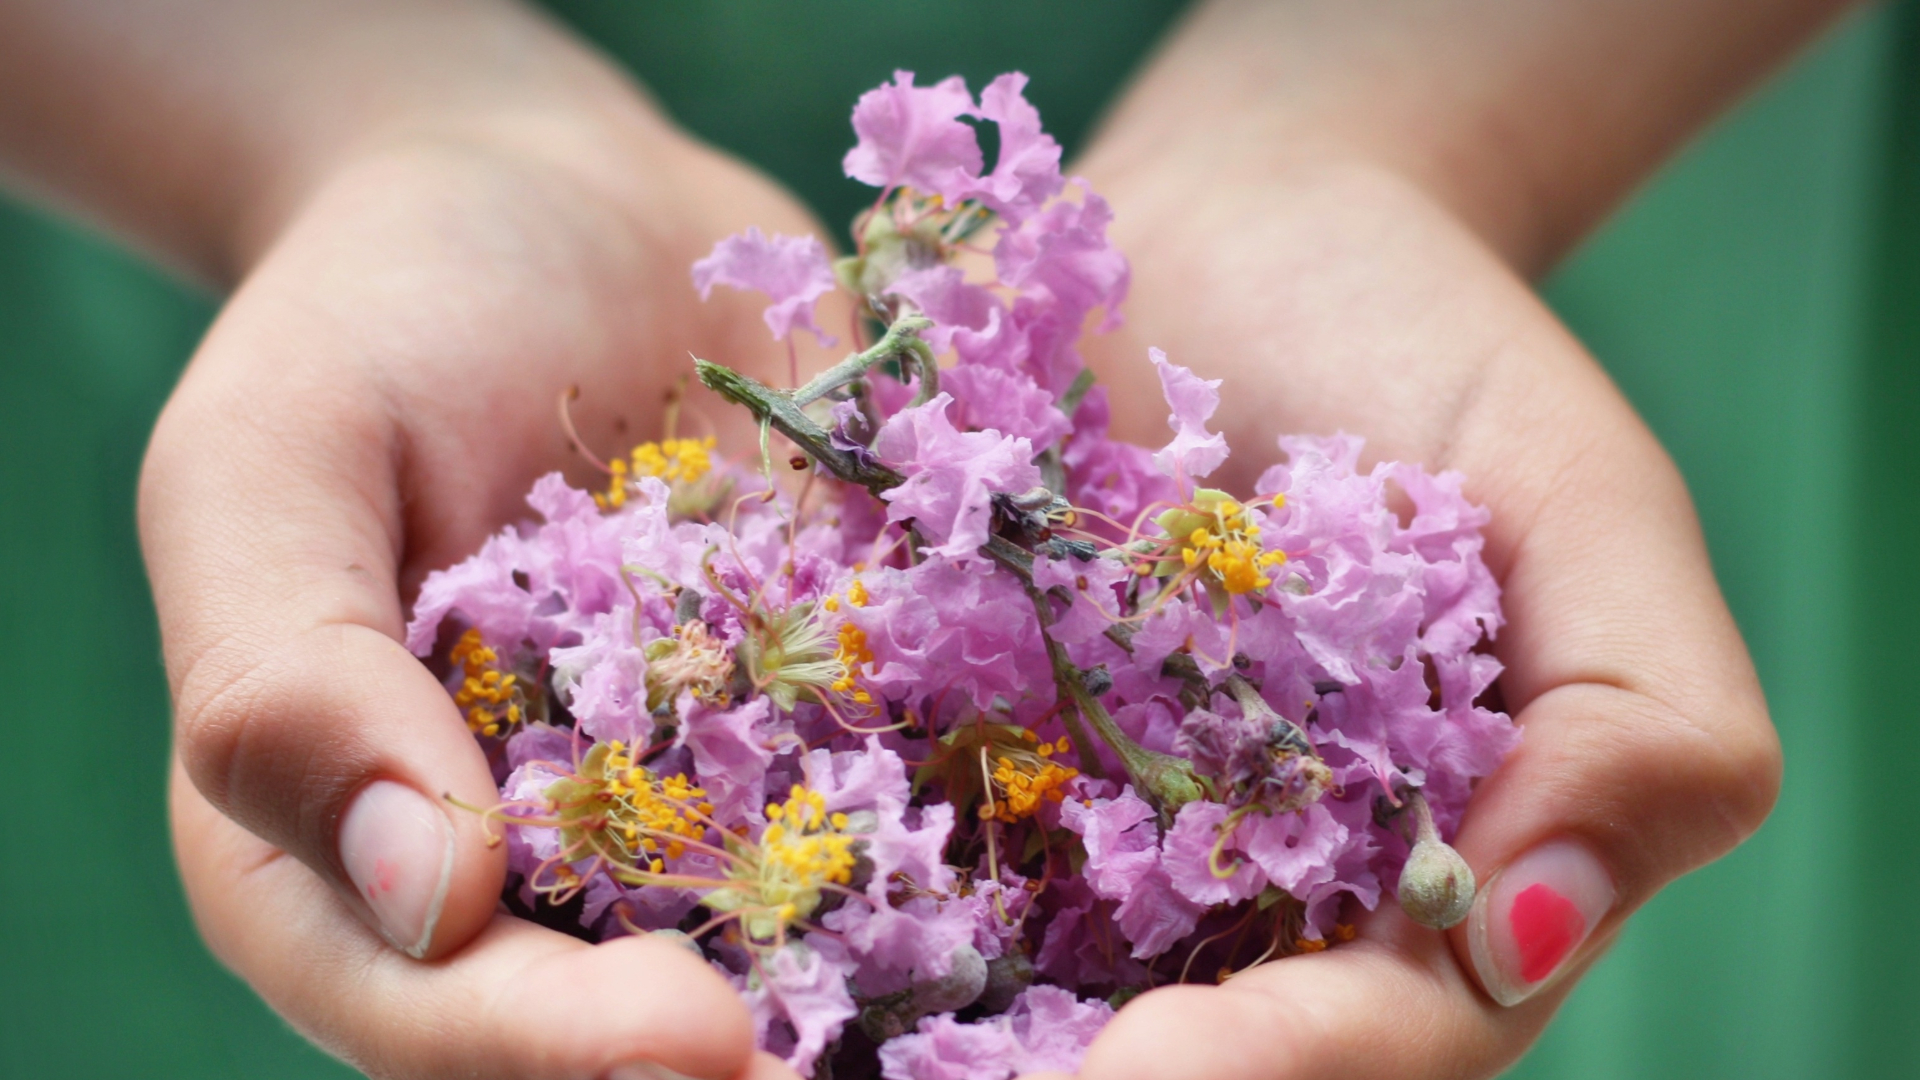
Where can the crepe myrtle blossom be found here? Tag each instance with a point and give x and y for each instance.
(792, 270)
(948, 717)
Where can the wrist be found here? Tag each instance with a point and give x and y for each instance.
(245, 110)
(566, 120)
(1279, 155)
(1529, 122)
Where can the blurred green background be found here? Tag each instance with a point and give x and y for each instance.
(1760, 302)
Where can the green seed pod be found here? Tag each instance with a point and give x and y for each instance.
(1436, 885)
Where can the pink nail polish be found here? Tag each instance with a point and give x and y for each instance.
(397, 846)
(1535, 914)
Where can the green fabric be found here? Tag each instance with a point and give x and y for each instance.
(1757, 302)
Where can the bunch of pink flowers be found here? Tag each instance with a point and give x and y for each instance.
(991, 722)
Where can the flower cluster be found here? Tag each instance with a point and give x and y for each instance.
(993, 722)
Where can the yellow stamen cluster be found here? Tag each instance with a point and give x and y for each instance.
(850, 653)
(804, 652)
(1224, 542)
(490, 696)
(652, 815)
(803, 850)
(677, 461)
(856, 595)
(805, 842)
(850, 648)
(1027, 782)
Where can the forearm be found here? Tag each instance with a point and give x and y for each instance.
(1528, 119)
(195, 128)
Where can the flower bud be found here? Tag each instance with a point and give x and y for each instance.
(958, 989)
(1436, 884)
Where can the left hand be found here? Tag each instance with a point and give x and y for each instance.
(1343, 297)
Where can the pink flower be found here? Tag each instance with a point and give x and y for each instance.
(730, 751)
(990, 399)
(1294, 851)
(1462, 599)
(949, 626)
(914, 851)
(945, 1049)
(1082, 945)
(603, 681)
(792, 270)
(1194, 451)
(892, 947)
(1063, 267)
(534, 585)
(798, 991)
(1063, 252)
(943, 295)
(951, 476)
(1055, 1028)
(1196, 829)
(858, 779)
(1046, 1030)
(1028, 171)
(912, 135)
(1123, 845)
(1155, 915)
(1092, 586)
(1107, 476)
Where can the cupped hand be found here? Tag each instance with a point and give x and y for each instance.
(374, 401)
(1341, 297)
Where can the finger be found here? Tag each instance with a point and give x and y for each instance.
(1646, 749)
(1390, 1005)
(271, 537)
(765, 1066)
(517, 1001)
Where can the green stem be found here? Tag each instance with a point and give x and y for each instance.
(1168, 781)
(777, 408)
(1089, 761)
(902, 340)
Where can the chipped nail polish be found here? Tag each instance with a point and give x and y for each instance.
(397, 847)
(1535, 914)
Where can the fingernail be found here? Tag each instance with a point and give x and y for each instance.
(1535, 914)
(398, 850)
(643, 1070)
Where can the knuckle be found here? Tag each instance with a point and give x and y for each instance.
(1717, 767)
(222, 694)
(1742, 776)
(252, 728)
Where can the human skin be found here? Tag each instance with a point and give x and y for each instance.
(436, 217)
